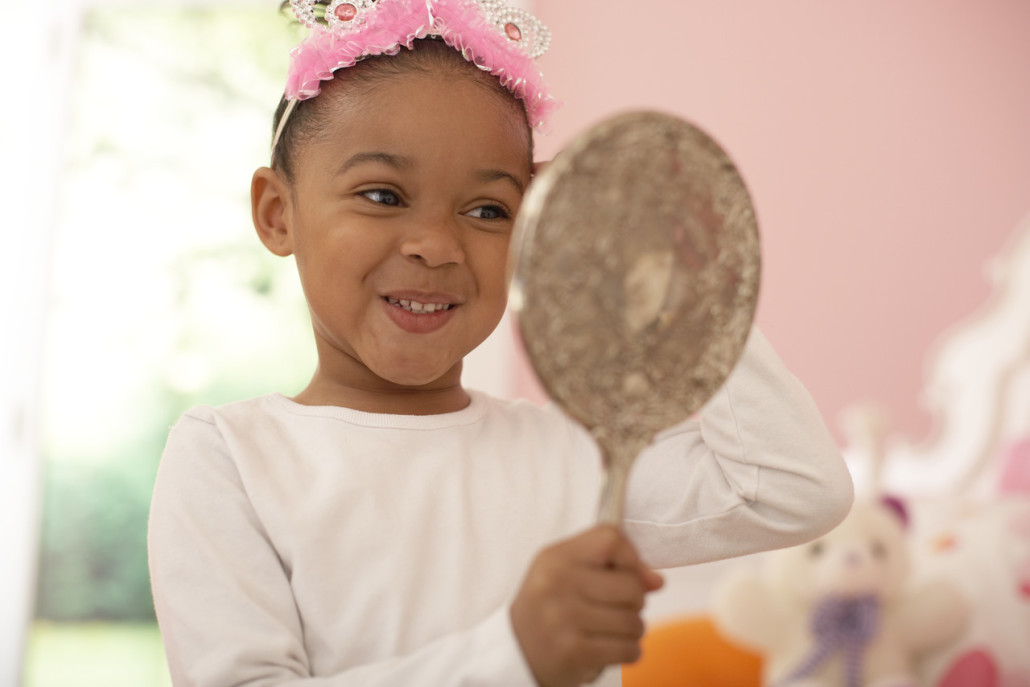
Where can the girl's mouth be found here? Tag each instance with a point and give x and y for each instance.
(417, 307)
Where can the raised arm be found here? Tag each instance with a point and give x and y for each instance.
(758, 470)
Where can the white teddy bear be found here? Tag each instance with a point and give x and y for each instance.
(841, 611)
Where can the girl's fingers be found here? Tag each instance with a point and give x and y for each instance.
(612, 623)
(616, 587)
(606, 650)
(652, 580)
(624, 555)
(578, 609)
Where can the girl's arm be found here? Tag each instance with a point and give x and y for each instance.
(761, 472)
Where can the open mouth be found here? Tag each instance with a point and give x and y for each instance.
(419, 308)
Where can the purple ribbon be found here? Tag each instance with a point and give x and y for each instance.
(840, 625)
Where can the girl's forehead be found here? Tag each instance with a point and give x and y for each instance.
(449, 127)
(443, 86)
(429, 111)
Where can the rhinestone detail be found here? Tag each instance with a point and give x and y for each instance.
(346, 12)
(348, 15)
(519, 26)
(305, 11)
(513, 31)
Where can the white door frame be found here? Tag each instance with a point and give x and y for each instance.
(36, 63)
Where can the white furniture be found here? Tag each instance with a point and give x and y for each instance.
(977, 389)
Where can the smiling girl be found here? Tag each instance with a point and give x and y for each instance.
(386, 525)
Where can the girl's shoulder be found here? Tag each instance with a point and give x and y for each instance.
(522, 411)
(251, 409)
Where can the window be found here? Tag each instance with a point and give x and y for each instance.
(160, 298)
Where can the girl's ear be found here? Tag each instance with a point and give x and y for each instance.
(269, 197)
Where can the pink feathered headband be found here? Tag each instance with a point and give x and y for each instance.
(497, 38)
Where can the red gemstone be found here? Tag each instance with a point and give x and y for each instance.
(346, 12)
(513, 32)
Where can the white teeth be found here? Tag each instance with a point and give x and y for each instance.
(419, 308)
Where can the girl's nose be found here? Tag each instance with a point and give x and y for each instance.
(434, 242)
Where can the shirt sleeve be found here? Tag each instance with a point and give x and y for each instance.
(224, 601)
(757, 470)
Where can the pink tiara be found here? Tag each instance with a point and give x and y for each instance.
(497, 38)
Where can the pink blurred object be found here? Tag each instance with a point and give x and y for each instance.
(976, 668)
(1015, 471)
(1019, 525)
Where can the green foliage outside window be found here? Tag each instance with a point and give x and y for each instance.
(162, 296)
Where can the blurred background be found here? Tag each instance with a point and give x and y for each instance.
(885, 144)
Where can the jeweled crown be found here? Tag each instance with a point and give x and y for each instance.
(349, 16)
(490, 34)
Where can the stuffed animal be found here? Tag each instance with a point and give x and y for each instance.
(841, 611)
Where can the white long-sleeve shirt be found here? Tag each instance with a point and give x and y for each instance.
(322, 546)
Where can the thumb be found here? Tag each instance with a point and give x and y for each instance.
(624, 555)
(652, 580)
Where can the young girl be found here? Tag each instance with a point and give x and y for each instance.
(387, 526)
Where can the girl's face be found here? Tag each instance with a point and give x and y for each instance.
(400, 216)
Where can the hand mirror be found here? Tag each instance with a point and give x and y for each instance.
(635, 273)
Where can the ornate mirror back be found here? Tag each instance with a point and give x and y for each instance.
(635, 277)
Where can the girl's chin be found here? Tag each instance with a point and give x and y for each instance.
(423, 378)
(417, 383)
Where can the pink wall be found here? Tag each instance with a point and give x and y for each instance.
(887, 146)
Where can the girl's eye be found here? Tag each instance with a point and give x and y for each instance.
(489, 212)
(383, 196)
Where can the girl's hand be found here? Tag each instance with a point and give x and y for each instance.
(578, 610)
(540, 166)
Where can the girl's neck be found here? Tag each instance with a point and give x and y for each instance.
(443, 396)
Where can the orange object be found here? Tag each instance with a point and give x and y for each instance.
(691, 653)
